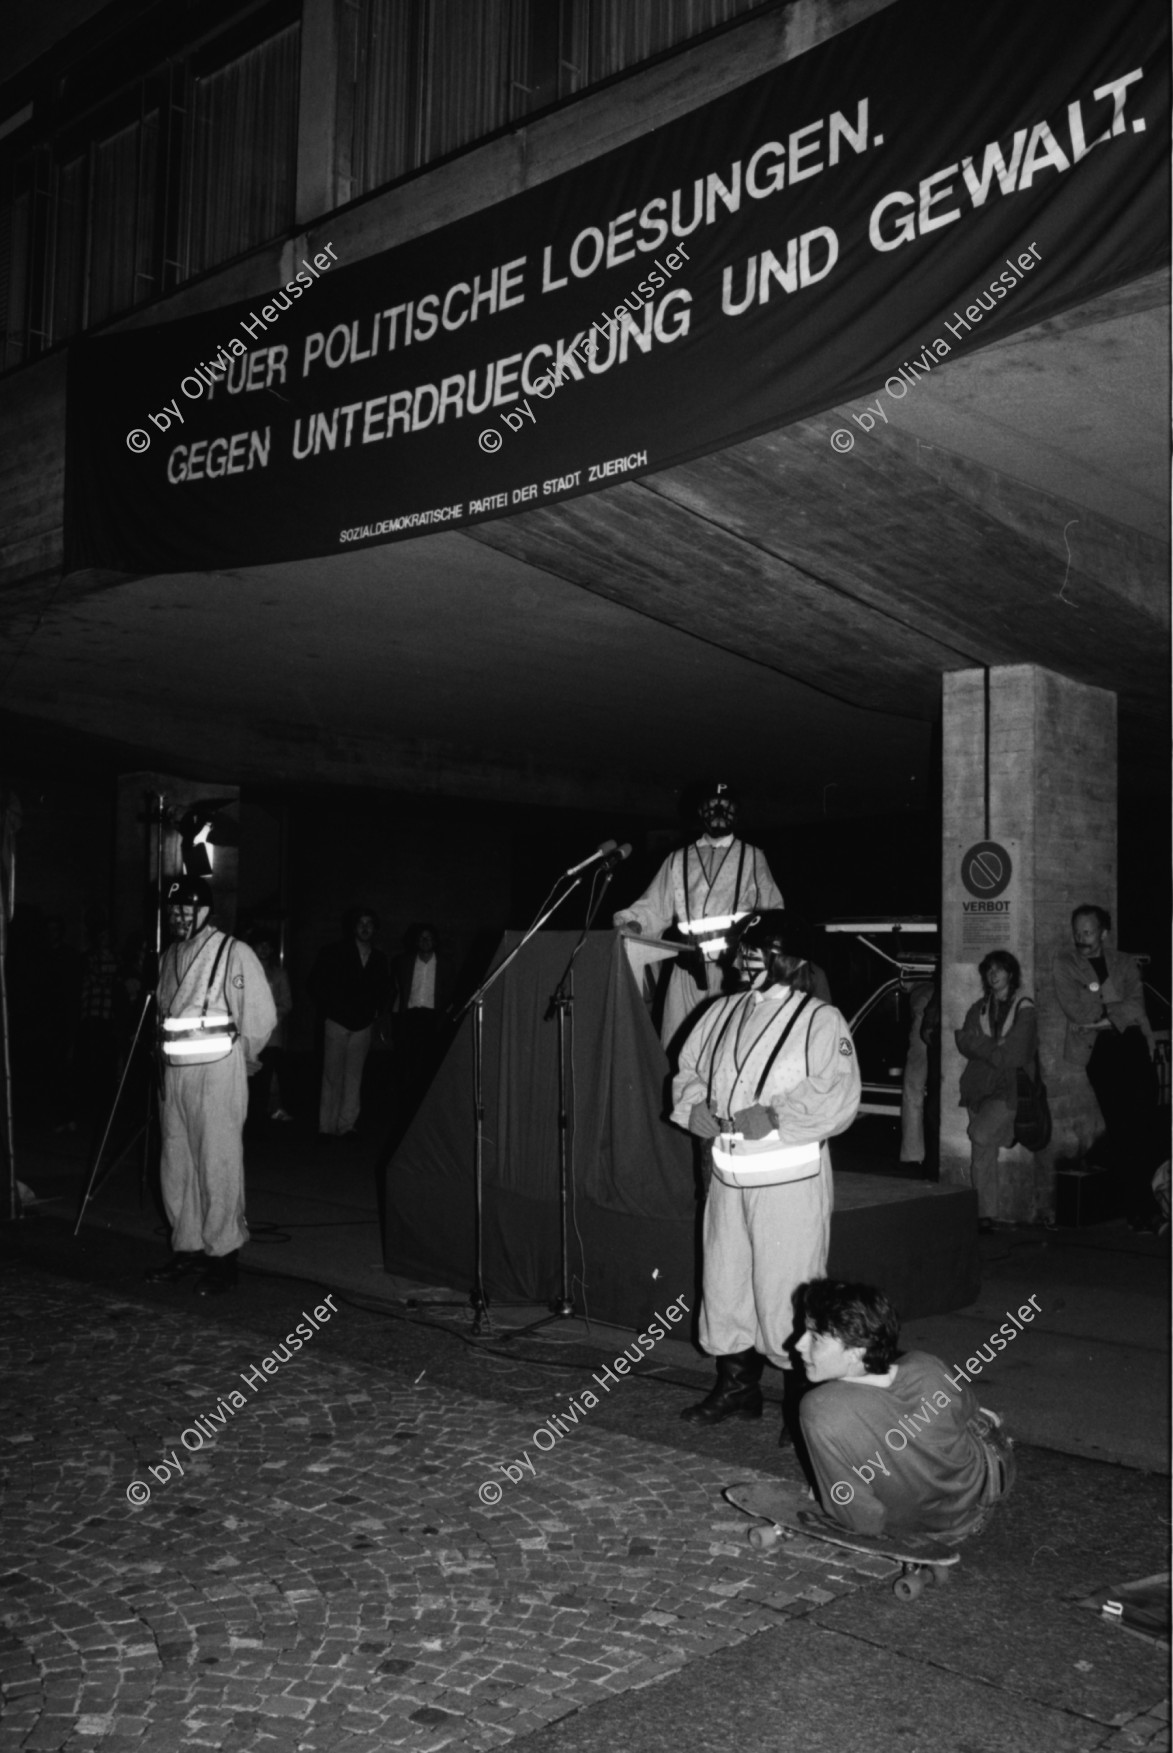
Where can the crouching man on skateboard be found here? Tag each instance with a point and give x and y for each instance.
(897, 1444)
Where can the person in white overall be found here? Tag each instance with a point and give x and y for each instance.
(205, 976)
(706, 889)
(767, 1075)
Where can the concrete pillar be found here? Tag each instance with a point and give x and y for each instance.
(1011, 879)
(317, 113)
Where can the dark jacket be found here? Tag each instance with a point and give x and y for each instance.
(402, 969)
(1120, 1000)
(347, 992)
(995, 1058)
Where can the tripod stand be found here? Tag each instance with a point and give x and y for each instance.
(93, 1185)
(561, 1006)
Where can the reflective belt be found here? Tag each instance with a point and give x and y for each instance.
(707, 932)
(204, 1038)
(709, 935)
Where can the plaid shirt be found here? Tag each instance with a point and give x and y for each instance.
(99, 986)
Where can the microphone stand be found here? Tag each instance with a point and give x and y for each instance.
(93, 1185)
(482, 1320)
(561, 1006)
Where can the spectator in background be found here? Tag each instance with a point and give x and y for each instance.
(915, 1081)
(422, 1000)
(37, 1053)
(103, 1009)
(1101, 994)
(268, 1087)
(420, 992)
(137, 975)
(999, 1038)
(351, 984)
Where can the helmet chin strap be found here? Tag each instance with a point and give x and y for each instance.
(774, 974)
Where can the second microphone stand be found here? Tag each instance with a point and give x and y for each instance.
(482, 1320)
(561, 1006)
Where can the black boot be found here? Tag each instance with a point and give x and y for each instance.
(736, 1393)
(179, 1266)
(220, 1275)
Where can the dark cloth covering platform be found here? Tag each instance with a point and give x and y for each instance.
(633, 1231)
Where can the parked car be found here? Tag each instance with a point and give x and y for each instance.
(874, 964)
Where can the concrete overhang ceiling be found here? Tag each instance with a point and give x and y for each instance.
(777, 609)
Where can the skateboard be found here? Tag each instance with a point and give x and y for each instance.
(785, 1511)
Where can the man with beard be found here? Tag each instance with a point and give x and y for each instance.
(1101, 994)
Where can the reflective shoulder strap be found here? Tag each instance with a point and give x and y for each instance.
(224, 943)
(780, 1043)
(734, 1010)
(183, 984)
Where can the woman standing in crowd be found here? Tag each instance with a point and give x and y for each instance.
(999, 1036)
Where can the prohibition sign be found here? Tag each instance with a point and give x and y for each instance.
(986, 870)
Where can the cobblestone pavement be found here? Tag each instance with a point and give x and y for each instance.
(319, 1565)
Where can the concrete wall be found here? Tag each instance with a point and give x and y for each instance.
(1052, 805)
(63, 849)
(31, 31)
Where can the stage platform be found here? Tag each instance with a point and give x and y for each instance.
(918, 1242)
(634, 1229)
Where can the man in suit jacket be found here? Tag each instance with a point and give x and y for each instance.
(1101, 994)
(351, 984)
(422, 994)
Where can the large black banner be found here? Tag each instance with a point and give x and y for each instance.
(937, 176)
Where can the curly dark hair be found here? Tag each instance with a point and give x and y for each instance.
(857, 1314)
(1001, 959)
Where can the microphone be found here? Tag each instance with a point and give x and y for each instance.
(616, 856)
(608, 851)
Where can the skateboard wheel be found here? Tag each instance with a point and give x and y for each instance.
(940, 1574)
(763, 1538)
(907, 1588)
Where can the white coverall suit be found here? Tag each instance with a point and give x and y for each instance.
(761, 1243)
(704, 888)
(204, 1106)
